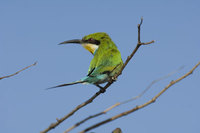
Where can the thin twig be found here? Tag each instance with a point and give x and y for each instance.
(53, 125)
(123, 102)
(150, 85)
(143, 105)
(18, 71)
(92, 116)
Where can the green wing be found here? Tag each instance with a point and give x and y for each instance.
(105, 63)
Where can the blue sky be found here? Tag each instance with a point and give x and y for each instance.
(31, 30)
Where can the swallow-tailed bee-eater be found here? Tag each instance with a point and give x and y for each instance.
(106, 62)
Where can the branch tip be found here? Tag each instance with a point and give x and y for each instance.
(18, 71)
(141, 21)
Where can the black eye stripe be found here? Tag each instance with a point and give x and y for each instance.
(93, 41)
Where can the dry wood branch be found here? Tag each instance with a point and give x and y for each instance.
(53, 125)
(143, 105)
(92, 116)
(117, 130)
(123, 102)
(18, 71)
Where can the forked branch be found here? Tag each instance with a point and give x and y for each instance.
(139, 43)
(143, 105)
(121, 103)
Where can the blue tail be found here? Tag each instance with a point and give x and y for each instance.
(99, 79)
(87, 80)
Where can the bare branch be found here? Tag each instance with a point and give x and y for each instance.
(139, 25)
(124, 102)
(53, 125)
(18, 71)
(139, 43)
(143, 105)
(117, 130)
(150, 85)
(92, 116)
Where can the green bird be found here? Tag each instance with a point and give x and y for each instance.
(106, 62)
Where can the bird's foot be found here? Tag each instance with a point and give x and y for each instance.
(102, 90)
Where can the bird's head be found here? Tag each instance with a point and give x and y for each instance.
(91, 42)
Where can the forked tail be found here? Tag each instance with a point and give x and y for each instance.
(72, 83)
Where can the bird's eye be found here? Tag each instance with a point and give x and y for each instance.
(90, 39)
(93, 41)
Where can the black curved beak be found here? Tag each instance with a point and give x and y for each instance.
(79, 41)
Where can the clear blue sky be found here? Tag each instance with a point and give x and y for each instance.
(30, 31)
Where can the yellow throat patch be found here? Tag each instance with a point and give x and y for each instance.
(90, 47)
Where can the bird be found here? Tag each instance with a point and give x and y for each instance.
(106, 63)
